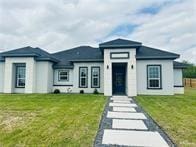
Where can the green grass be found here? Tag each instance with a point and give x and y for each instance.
(49, 120)
(176, 114)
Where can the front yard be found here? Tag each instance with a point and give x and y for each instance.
(176, 114)
(49, 120)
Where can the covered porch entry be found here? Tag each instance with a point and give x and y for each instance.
(119, 78)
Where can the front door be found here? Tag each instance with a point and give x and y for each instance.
(118, 78)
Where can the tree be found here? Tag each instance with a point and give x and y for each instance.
(190, 71)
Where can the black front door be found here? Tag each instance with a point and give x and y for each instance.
(118, 78)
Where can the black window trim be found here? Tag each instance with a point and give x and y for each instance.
(119, 57)
(16, 66)
(65, 70)
(92, 77)
(86, 77)
(154, 88)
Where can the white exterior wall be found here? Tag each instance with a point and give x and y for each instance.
(178, 77)
(44, 77)
(178, 82)
(2, 68)
(76, 88)
(167, 77)
(9, 83)
(63, 86)
(131, 73)
(59, 83)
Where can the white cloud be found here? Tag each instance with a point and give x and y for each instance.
(172, 29)
(60, 24)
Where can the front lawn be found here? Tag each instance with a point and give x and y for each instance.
(176, 114)
(49, 119)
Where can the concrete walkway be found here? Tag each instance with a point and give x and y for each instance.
(126, 125)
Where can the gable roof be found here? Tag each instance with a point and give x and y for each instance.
(145, 52)
(119, 43)
(81, 53)
(39, 54)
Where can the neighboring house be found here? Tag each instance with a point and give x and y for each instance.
(116, 67)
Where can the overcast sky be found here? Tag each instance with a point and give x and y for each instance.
(62, 24)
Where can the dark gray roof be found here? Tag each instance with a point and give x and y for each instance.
(82, 53)
(28, 51)
(87, 54)
(179, 65)
(117, 43)
(145, 52)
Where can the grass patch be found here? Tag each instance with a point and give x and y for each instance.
(176, 114)
(49, 119)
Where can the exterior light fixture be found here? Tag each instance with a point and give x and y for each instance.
(107, 66)
(131, 66)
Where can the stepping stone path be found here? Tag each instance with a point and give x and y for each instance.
(124, 125)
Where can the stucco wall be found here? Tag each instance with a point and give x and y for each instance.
(1, 76)
(76, 88)
(44, 77)
(9, 86)
(178, 82)
(167, 77)
(178, 77)
(131, 73)
(57, 82)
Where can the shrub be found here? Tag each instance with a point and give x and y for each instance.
(96, 91)
(57, 91)
(81, 91)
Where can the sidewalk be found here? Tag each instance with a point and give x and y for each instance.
(124, 123)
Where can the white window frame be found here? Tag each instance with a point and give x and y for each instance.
(83, 77)
(95, 77)
(158, 78)
(18, 78)
(60, 75)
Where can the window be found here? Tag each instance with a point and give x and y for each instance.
(83, 77)
(95, 77)
(20, 76)
(154, 76)
(63, 75)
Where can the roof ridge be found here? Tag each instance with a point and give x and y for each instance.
(74, 48)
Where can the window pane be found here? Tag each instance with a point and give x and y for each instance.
(63, 78)
(83, 72)
(154, 72)
(63, 75)
(83, 82)
(154, 83)
(20, 76)
(83, 77)
(154, 76)
(95, 81)
(21, 82)
(95, 77)
(95, 72)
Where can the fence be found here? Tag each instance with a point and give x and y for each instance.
(189, 82)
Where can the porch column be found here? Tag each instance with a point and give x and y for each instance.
(8, 75)
(107, 74)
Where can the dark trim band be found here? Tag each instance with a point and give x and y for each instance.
(178, 85)
(62, 85)
(119, 57)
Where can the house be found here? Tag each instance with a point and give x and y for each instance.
(116, 67)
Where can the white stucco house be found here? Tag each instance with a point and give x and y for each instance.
(116, 67)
